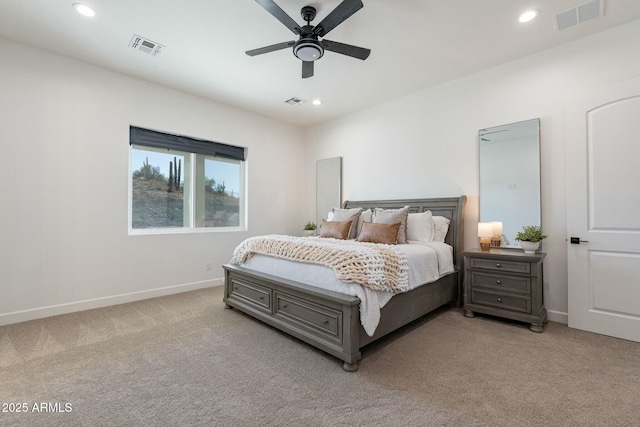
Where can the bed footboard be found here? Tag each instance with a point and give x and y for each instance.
(327, 320)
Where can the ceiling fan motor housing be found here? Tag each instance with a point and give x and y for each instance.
(308, 13)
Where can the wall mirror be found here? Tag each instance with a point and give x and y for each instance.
(328, 187)
(509, 157)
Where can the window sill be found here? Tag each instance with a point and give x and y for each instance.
(156, 231)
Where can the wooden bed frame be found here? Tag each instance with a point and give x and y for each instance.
(330, 320)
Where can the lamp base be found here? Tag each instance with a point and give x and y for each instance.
(495, 241)
(485, 244)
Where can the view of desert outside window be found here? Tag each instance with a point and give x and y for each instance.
(158, 192)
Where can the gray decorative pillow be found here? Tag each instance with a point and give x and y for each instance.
(348, 215)
(389, 216)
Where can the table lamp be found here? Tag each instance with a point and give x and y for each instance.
(485, 232)
(497, 231)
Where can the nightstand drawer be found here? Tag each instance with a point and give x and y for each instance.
(501, 282)
(500, 300)
(499, 265)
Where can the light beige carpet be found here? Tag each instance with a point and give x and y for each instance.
(186, 360)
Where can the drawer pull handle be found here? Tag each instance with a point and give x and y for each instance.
(498, 265)
(499, 299)
(235, 288)
(262, 298)
(325, 322)
(284, 305)
(498, 282)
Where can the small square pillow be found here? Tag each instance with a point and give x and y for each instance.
(335, 229)
(364, 216)
(348, 215)
(420, 226)
(379, 233)
(389, 216)
(441, 228)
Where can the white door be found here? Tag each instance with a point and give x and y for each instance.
(603, 210)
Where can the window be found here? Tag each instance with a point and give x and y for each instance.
(178, 182)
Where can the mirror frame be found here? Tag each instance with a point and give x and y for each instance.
(328, 187)
(510, 185)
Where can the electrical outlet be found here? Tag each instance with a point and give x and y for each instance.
(207, 266)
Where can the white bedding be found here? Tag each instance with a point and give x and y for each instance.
(428, 261)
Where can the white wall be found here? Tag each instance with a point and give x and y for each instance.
(425, 144)
(64, 166)
(64, 134)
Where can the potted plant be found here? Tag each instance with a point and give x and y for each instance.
(310, 228)
(530, 237)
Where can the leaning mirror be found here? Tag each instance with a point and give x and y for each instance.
(509, 157)
(328, 186)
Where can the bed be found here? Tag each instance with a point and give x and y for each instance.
(330, 320)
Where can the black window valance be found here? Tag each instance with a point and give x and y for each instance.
(152, 138)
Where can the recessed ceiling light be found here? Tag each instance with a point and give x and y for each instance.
(529, 15)
(317, 102)
(85, 10)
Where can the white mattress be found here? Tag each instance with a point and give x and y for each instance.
(427, 263)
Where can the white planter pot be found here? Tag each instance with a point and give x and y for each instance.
(529, 247)
(309, 232)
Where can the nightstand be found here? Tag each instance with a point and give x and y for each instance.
(505, 283)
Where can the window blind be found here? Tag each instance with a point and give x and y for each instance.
(152, 138)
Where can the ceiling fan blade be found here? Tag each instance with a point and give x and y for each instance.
(271, 48)
(307, 69)
(346, 49)
(337, 16)
(271, 7)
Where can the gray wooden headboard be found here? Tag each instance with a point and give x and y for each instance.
(449, 207)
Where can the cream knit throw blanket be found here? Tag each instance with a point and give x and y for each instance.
(373, 265)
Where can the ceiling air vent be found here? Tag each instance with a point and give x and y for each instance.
(145, 45)
(295, 101)
(579, 14)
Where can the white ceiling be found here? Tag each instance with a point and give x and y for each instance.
(415, 44)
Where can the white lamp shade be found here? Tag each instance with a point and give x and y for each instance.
(497, 227)
(485, 229)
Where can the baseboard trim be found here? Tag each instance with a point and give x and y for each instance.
(55, 310)
(558, 316)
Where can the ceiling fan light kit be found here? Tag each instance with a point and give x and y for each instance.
(309, 48)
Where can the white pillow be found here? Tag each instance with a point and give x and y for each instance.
(441, 228)
(420, 226)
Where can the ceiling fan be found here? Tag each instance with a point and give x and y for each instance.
(309, 47)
